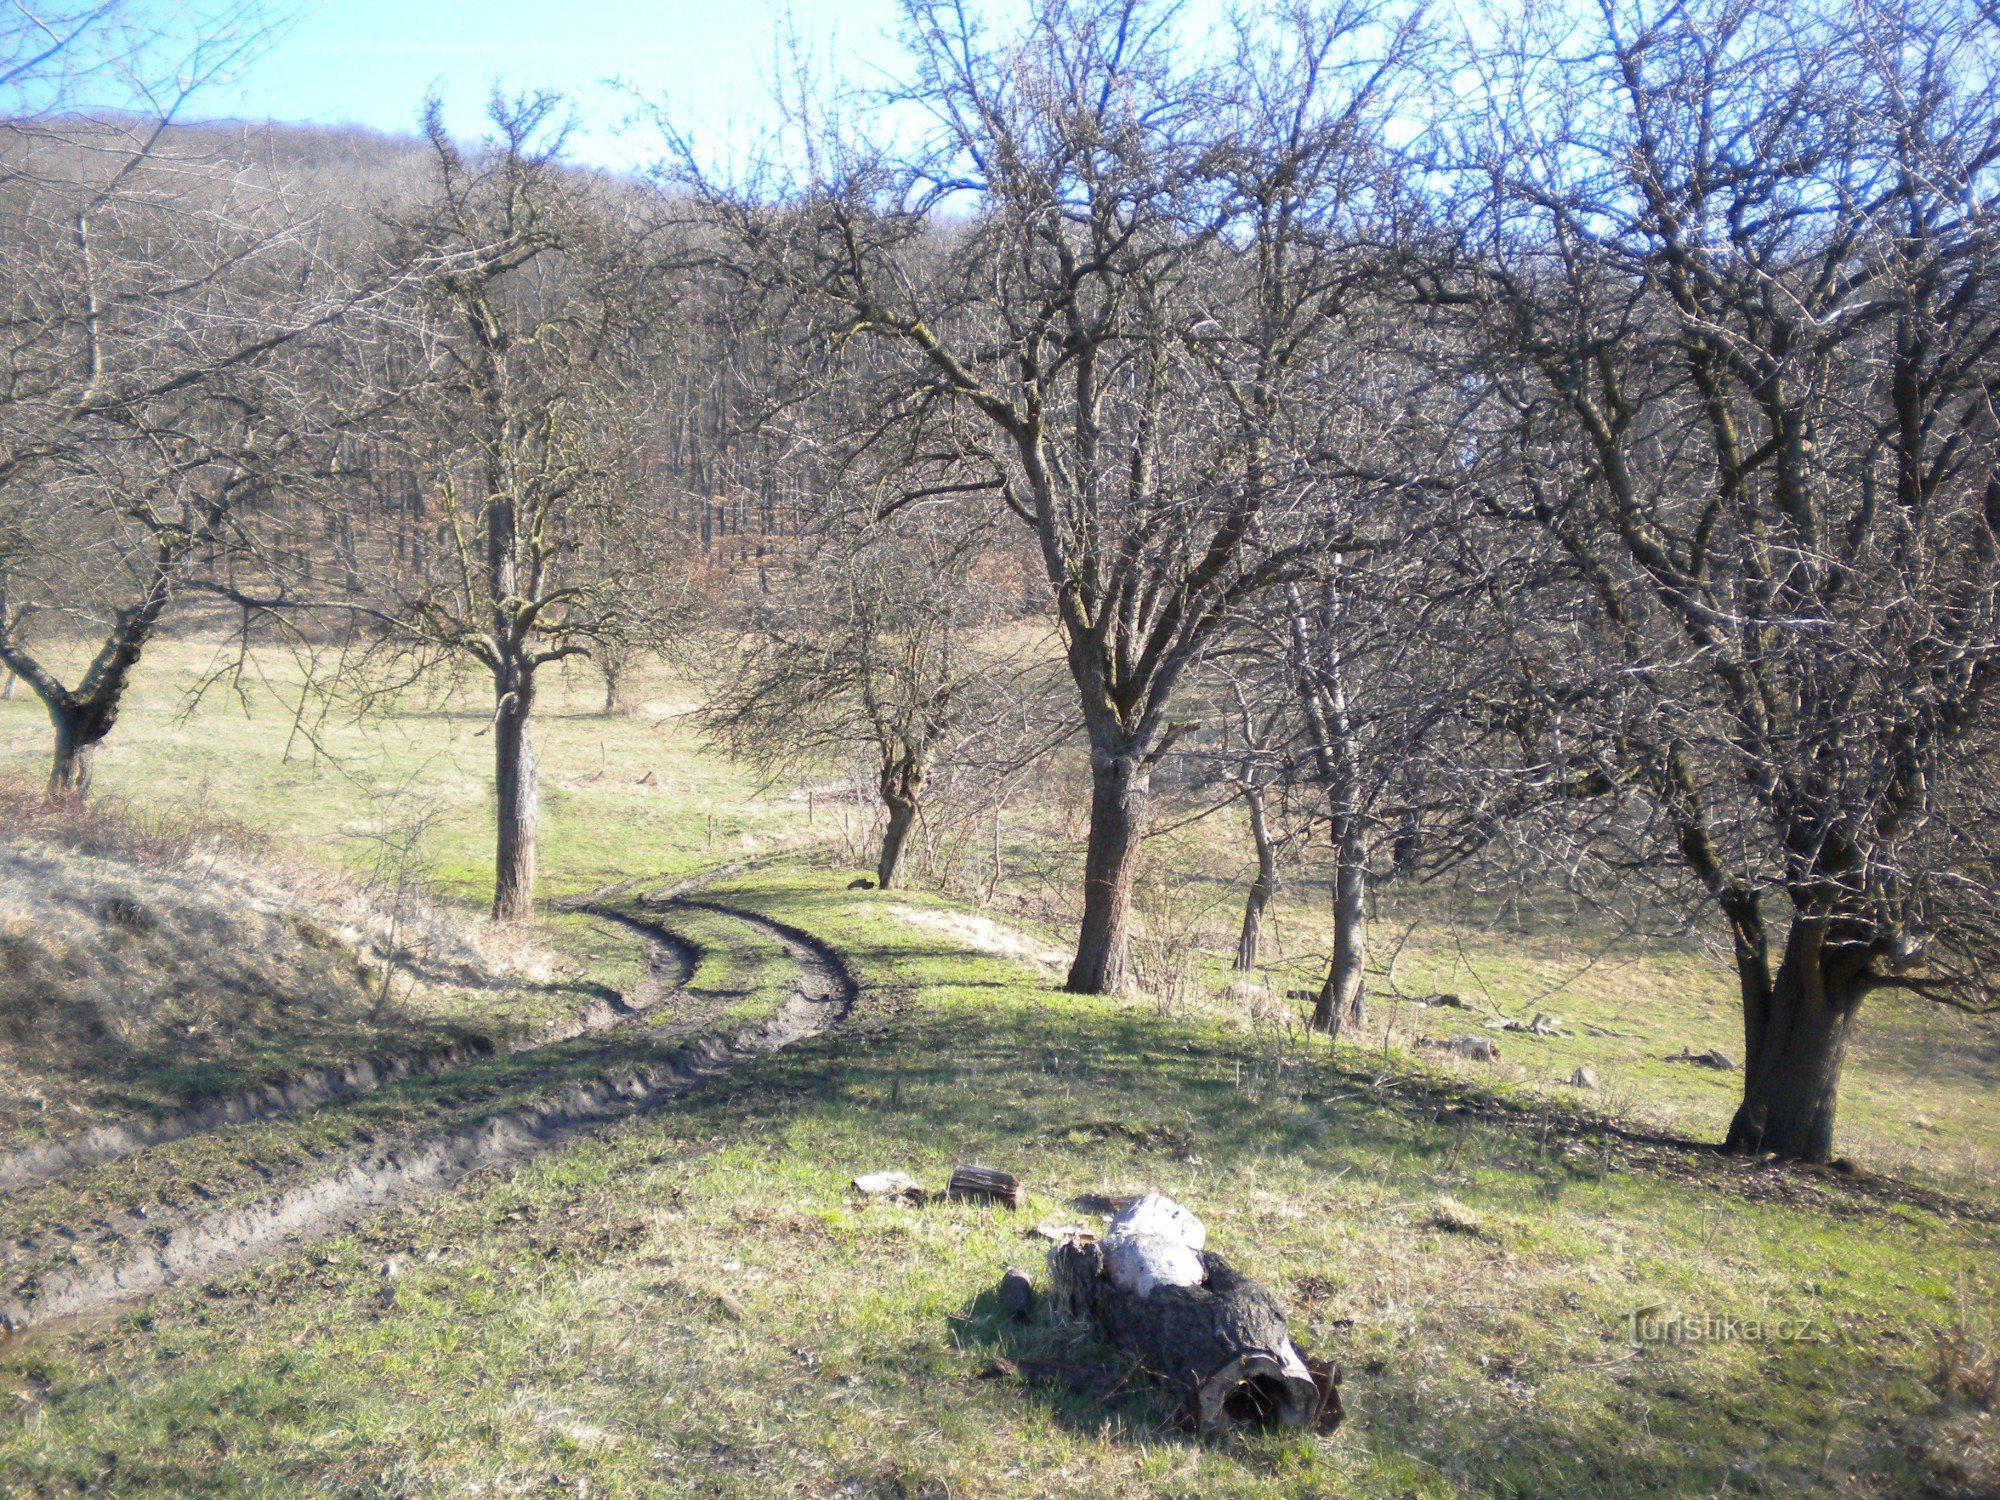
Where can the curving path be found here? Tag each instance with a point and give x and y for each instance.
(822, 997)
(670, 962)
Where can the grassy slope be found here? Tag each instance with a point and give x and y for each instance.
(1917, 1097)
(619, 795)
(695, 1303)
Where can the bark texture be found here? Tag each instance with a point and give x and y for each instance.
(1340, 998)
(78, 733)
(1337, 759)
(1796, 1030)
(1259, 895)
(516, 786)
(901, 784)
(1120, 784)
(1222, 1347)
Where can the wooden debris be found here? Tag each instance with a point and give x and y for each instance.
(1057, 1233)
(1220, 1342)
(1154, 1242)
(1722, 1062)
(1326, 1380)
(987, 1185)
(1541, 1025)
(1017, 1294)
(1476, 1048)
(889, 1185)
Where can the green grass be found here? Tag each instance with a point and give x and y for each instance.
(621, 795)
(696, 1302)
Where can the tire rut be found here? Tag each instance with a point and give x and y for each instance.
(822, 997)
(670, 963)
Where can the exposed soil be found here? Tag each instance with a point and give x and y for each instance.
(822, 997)
(670, 962)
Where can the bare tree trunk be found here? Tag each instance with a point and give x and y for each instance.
(7, 680)
(519, 797)
(1340, 998)
(902, 817)
(1261, 888)
(75, 750)
(350, 561)
(84, 716)
(1120, 786)
(1791, 1073)
(614, 689)
(1337, 752)
(902, 783)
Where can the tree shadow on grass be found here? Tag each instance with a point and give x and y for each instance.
(1091, 1097)
(1080, 1380)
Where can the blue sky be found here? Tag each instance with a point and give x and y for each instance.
(370, 62)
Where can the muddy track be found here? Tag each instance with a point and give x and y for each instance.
(670, 962)
(822, 996)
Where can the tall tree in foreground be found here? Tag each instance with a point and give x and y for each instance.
(1053, 264)
(1731, 279)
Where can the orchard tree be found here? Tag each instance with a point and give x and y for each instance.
(1727, 276)
(1065, 261)
(155, 296)
(876, 640)
(517, 420)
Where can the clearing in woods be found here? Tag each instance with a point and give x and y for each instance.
(609, 1245)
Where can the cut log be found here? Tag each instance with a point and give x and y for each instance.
(1219, 1344)
(985, 1184)
(1154, 1242)
(1017, 1294)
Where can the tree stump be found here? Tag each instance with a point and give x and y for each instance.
(986, 1185)
(1221, 1345)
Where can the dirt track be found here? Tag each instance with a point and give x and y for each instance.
(823, 993)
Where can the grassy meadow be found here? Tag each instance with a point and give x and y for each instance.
(695, 1301)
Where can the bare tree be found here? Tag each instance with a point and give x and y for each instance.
(1065, 314)
(517, 428)
(877, 640)
(151, 286)
(1258, 763)
(1728, 269)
